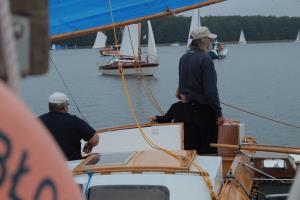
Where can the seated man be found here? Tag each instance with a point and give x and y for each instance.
(177, 113)
(68, 130)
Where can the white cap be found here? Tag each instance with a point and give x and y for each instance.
(58, 97)
(201, 32)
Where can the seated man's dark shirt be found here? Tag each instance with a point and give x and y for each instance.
(176, 113)
(68, 130)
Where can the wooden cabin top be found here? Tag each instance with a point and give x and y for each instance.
(137, 162)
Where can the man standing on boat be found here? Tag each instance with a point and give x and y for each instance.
(198, 83)
(68, 130)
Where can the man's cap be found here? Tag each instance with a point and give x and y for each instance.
(58, 97)
(201, 32)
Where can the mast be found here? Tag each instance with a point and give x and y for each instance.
(139, 41)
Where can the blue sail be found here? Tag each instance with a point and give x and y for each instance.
(68, 16)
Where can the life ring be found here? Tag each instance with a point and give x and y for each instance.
(31, 164)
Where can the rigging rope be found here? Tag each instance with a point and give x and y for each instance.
(67, 88)
(261, 116)
(8, 46)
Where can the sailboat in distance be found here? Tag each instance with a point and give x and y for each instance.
(53, 47)
(196, 22)
(242, 39)
(100, 40)
(100, 43)
(130, 55)
(298, 37)
(218, 51)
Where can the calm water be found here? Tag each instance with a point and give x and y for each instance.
(262, 78)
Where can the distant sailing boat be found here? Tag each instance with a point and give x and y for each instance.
(53, 47)
(100, 40)
(298, 37)
(100, 43)
(196, 22)
(242, 39)
(130, 54)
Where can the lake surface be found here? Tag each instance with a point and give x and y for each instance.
(262, 78)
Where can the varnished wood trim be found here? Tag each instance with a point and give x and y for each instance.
(232, 189)
(128, 66)
(131, 126)
(256, 147)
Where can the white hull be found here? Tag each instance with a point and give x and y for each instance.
(148, 71)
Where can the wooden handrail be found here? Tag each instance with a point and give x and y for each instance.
(131, 126)
(260, 147)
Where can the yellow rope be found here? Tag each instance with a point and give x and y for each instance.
(144, 84)
(223, 189)
(202, 172)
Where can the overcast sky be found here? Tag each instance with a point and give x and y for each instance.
(253, 7)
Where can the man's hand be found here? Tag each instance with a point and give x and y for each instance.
(152, 119)
(87, 148)
(220, 120)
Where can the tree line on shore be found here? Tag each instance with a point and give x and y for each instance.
(175, 29)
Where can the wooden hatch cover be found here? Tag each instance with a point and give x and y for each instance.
(138, 162)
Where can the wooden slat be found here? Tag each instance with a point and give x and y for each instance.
(131, 126)
(37, 13)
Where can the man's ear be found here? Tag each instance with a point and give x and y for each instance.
(65, 107)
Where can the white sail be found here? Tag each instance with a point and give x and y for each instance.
(152, 52)
(100, 40)
(298, 37)
(196, 22)
(130, 41)
(242, 39)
